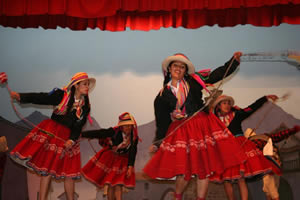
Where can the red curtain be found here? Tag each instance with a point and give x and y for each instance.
(117, 15)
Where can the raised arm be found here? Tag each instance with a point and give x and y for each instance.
(246, 112)
(227, 69)
(281, 135)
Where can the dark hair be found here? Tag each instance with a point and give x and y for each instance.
(233, 108)
(167, 77)
(72, 99)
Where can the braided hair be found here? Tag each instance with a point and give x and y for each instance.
(72, 99)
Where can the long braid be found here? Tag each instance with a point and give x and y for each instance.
(167, 78)
(87, 105)
(71, 100)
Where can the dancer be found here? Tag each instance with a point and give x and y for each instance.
(256, 163)
(114, 164)
(266, 143)
(195, 143)
(52, 149)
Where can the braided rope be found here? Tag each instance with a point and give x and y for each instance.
(92, 146)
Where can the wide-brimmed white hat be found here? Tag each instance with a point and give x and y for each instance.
(178, 57)
(222, 98)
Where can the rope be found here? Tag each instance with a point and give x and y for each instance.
(29, 122)
(92, 146)
(210, 98)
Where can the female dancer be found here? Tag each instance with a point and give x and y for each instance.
(114, 164)
(195, 143)
(256, 163)
(52, 149)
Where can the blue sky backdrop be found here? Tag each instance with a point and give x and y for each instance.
(39, 60)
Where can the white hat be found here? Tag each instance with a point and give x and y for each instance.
(178, 57)
(222, 98)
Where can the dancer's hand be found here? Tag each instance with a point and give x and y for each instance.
(272, 97)
(153, 148)
(69, 144)
(15, 96)
(237, 55)
(129, 171)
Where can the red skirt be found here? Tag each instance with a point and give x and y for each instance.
(200, 145)
(108, 167)
(255, 165)
(275, 168)
(46, 154)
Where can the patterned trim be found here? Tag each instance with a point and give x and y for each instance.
(25, 161)
(253, 153)
(75, 150)
(198, 144)
(53, 173)
(107, 169)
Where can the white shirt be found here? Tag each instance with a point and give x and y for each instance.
(173, 88)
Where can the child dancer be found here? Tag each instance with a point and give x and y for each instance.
(256, 163)
(114, 164)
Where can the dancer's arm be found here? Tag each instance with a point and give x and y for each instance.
(131, 158)
(281, 135)
(99, 133)
(53, 98)
(218, 74)
(246, 112)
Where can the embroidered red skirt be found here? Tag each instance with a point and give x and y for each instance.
(108, 167)
(256, 164)
(46, 154)
(200, 145)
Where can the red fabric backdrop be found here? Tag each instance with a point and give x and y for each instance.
(117, 15)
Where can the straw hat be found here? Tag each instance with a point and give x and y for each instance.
(81, 76)
(223, 98)
(178, 57)
(126, 119)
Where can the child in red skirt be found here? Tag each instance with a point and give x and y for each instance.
(256, 164)
(52, 149)
(114, 164)
(190, 141)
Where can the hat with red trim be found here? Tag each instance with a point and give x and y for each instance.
(81, 76)
(178, 57)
